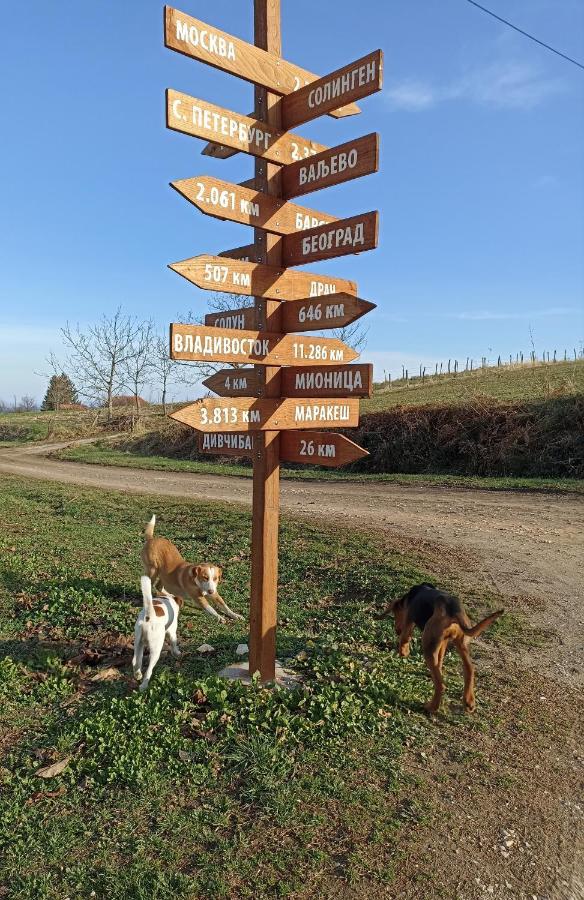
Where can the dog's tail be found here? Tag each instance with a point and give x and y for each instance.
(149, 530)
(474, 630)
(146, 585)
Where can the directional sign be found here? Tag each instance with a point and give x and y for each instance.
(215, 273)
(223, 51)
(247, 253)
(244, 317)
(204, 120)
(332, 166)
(249, 207)
(305, 381)
(322, 448)
(236, 382)
(354, 81)
(198, 343)
(353, 235)
(335, 311)
(268, 415)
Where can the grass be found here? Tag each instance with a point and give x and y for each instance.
(105, 455)
(506, 383)
(199, 788)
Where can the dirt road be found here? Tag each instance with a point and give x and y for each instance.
(527, 546)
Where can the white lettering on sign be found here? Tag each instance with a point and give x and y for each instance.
(338, 412)
(317, 351)
(342, 84)
(306, 151)
(227, 441)
(209, 41)
(223, 345)
(231, 321)
(313, 313)
(236, 384)
(218, 275)
(228, 415)
(348, 380)
(334, 239)
(315, 448)
(337, 163)
(303, 222)
(318, 288)
(216, 123)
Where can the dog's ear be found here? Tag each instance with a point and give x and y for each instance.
(219, 573)
(196, 571)
(389, 609)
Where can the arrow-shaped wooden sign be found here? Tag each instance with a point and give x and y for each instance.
(304, 381)
(333, 166)
(347, 236)
(216, 273)
(322, 448)
(312, 314)
(268, 415)
(223, 51)
(204, 120)
(354, 81)
(224, 200)
(198, 343)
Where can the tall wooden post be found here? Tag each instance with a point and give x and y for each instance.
(266, 463)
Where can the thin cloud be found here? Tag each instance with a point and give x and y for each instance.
(490, 315)
(500, 85)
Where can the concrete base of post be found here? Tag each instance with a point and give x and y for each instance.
(239, 671)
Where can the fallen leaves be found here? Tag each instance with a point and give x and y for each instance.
(55, 769)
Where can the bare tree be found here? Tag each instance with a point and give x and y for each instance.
(27, 403)
(191, 373)
(354, 335)
(163, 367)
(99, 354)
(138, 365)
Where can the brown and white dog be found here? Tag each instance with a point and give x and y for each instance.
(164, 564)
(441, 619)
(157, 620)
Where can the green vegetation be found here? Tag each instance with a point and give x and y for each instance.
(199, 788)
(104, 454)
(507, 383)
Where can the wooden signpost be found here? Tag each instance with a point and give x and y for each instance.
(296, 381)
(323, 448)
(197, 343)
(215, 273)
(285, 386)
(249, 207)
(333, 166)
(250, 135)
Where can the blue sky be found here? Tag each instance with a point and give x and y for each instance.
(481, 186)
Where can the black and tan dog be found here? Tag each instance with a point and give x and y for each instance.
(441, 619)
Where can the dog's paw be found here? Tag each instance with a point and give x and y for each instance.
(138, 674)
(175, 652)
(237, 616)
(143, 686)
(222, 620)
(431, 708)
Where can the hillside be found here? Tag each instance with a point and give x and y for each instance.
(508, 383)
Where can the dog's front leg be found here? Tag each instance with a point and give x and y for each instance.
(216, 598)
(404, 640)
(204, 604)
